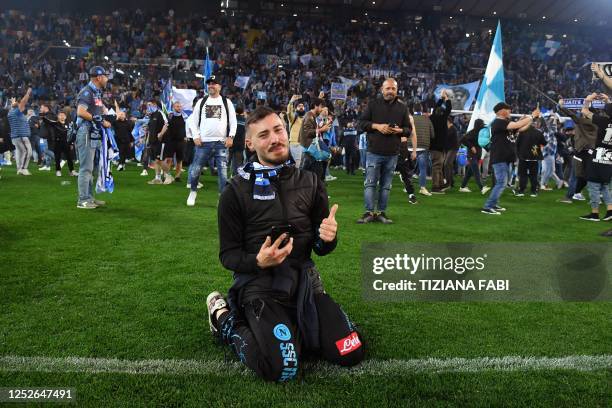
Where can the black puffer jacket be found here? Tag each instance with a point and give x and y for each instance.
(244, 223)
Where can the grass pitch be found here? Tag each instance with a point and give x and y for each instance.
(129, 282)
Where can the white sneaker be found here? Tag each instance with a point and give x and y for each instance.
(214, 302)
(74, 173)
(58, 173)
(191, 199)
(560, 185)
(464, 190)
(44, 168)
(330, 178)
(168, 180)
(144, 173)
(62, 164)
(424, 191)
(120, 167)
(25, 172)
(200, 185)
(485, 190)
(578, 197)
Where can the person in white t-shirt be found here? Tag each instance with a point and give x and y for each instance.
(213, 127)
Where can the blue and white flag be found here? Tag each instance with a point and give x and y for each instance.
(108, 151)
(207, 69)
(462, 96)
(139, 134)
(185, 97)
(544, 49)
(492, 89)
(338, 91)
(348, 82)
(166, 96)
(242, 81)
(577, 103)
(262, 96)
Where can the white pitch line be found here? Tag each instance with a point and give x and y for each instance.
(371, 367)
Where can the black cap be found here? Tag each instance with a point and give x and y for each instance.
(500, 106)
(96, 71)
(213, 79)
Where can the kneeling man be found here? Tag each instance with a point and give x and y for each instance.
(271, 217)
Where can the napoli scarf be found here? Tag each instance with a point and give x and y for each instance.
(108, 152)
(263, 189)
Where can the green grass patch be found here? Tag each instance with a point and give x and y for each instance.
(129, 281)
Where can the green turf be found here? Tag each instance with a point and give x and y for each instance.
(129, 281)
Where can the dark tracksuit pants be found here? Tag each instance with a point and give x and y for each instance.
(472, 170)
(528, 170)
(124, 152)
(405, 168)
(268, 341)
(62, 147)
(351, 156)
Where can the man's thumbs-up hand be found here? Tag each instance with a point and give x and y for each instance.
(329, 226)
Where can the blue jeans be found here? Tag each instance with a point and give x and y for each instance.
(379, 171)
(87, 153)
(202, 155)
(501, 171)
(548, 170)
(597, 191)
(423, 163)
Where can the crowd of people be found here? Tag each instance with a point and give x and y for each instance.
(323, 132)
(146, 46)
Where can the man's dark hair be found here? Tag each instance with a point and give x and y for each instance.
(258, 114)
(317, 102)
(155, 101)
(417, 107)
(239, 110)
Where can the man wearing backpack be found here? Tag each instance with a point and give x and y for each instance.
(213, 126)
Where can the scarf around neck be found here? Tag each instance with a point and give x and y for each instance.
(263, 189)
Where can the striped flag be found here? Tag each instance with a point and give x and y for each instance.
(108, 151)
(492, 89)
(166, 96)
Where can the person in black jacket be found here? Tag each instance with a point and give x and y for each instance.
(450, 153)
(474, 153)
(529, 148)
(271, 217)
(60, 143)
(386, 120)
(439, 144)
(176, 136)
(123, 136)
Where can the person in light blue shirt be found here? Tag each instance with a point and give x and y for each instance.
(20, 134)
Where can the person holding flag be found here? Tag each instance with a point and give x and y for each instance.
(89, 136)
(503, 152)
(277, 307)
